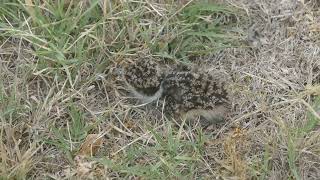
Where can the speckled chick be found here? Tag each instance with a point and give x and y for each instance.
(191, 94)
(143, 78)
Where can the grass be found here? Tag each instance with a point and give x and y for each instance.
(59, 83)
(67, 138)
(170, 157)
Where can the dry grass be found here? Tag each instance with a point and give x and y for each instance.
(59, 84)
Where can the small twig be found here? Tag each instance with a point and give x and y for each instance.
(314, 112)
(135, 140)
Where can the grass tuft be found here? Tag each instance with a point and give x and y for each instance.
(169, 157)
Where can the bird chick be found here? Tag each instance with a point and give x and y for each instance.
(143, 77)
(190, 94)
(187, 93)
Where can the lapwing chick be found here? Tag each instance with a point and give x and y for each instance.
(190, 94)
(143, 78)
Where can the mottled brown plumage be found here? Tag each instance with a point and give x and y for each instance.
(190, 93)
(187, 93)
(143, 78)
